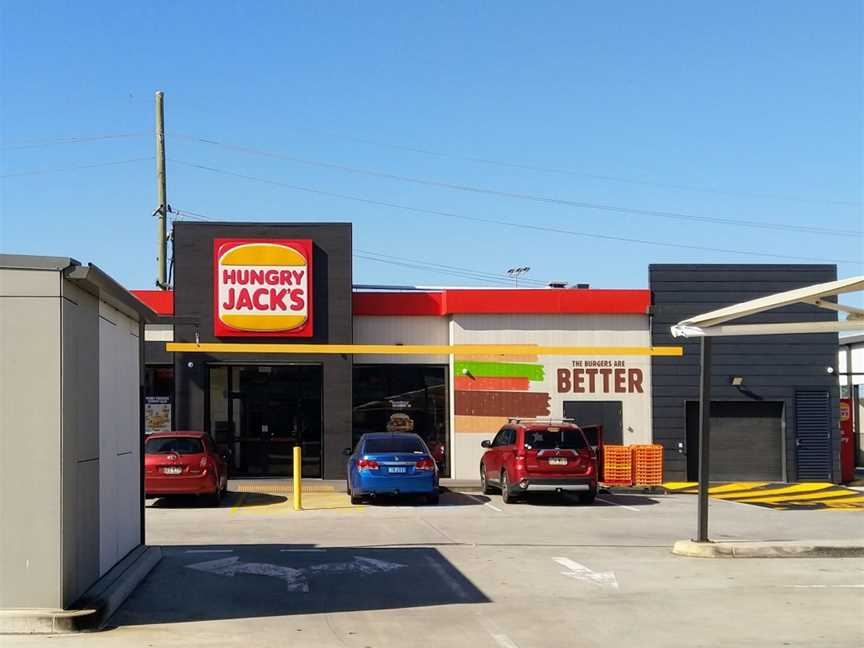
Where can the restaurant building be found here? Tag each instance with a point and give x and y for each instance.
(291, 283)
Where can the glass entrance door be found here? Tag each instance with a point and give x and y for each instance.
(263, 412)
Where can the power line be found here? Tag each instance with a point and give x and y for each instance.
(69, 140)
(17, 174)
(369, 255)
(580, 174)
(524, 196)
(524, 226)
(489, 275)
(502, 281)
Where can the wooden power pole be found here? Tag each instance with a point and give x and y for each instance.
(162, 194)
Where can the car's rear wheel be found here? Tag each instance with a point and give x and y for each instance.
(484, 482)
(216, 498)
(506, 491)
(588, 498)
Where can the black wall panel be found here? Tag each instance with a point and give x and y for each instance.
(774, 367)
(332, 317)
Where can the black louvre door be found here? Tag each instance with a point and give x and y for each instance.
(813, 427)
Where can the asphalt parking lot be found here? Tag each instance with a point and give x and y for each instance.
(474, 571)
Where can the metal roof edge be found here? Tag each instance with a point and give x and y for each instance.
(99, 283)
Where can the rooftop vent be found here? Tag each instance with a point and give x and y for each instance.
(583, 286)
(557, 284)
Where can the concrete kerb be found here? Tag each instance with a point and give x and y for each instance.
(780, 549)
(95, 607)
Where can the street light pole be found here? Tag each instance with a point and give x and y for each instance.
(514, 274)
(704, 438)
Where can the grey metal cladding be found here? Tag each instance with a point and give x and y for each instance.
(774, 367)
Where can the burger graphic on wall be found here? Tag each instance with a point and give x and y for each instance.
(262, 288)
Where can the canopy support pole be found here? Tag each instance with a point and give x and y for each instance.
(704, 438)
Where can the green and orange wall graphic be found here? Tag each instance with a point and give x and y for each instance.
(489, 389)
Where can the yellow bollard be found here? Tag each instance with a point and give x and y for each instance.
(298, 469)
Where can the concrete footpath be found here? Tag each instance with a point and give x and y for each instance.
(786, 549)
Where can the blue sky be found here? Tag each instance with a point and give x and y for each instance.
(750, 111)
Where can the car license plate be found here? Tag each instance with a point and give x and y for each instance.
(397, 469)
(558, 461)
(172, 470)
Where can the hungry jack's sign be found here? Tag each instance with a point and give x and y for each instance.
(262, 287)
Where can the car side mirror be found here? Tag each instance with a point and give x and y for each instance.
(347, 452)
(486, 444)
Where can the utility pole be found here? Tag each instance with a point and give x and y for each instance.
(162, 196)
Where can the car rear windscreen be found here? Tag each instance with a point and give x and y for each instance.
(549, 440)
(180, 445)
(393, 444)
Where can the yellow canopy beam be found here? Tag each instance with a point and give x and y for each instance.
(422, 349)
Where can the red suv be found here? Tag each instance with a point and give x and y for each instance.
(184, 463)
(539, 456)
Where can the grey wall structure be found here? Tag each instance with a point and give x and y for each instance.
(71, 504)
(332, 317)
(780, 373)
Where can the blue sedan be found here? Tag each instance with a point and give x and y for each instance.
(388, 463)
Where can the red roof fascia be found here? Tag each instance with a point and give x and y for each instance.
(160, 301)
(480, 301)
(399, 303)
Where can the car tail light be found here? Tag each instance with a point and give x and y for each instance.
(200, 469)
(425, 464)
(367, 464)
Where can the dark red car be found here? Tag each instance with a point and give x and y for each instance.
(535, 456)
(184, 463)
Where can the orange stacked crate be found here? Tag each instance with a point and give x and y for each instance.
(617, 465)
(647, 465)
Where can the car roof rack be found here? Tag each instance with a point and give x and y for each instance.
(520, 419)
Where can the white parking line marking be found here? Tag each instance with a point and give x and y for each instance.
(629, 508)
(209, 551)
(454, 585)
(480, 501)
(583, 573)
(504, 641)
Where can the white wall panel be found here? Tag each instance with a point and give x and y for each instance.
(119, 453)
(553, 330)
(400, 330)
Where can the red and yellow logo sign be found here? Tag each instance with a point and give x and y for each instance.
(262, 287)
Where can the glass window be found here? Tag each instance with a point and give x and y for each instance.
(559, 439)
(393, 444)
(500, 438)
(159, 380)
(178, 445)
(263, 411)
(403, 398)
(158, 398)
(220, 423)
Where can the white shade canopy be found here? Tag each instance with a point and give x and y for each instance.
(714, 323)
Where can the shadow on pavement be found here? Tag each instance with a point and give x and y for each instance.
(195, 583)
(447, 498)
(605, 500)
(229, 500)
